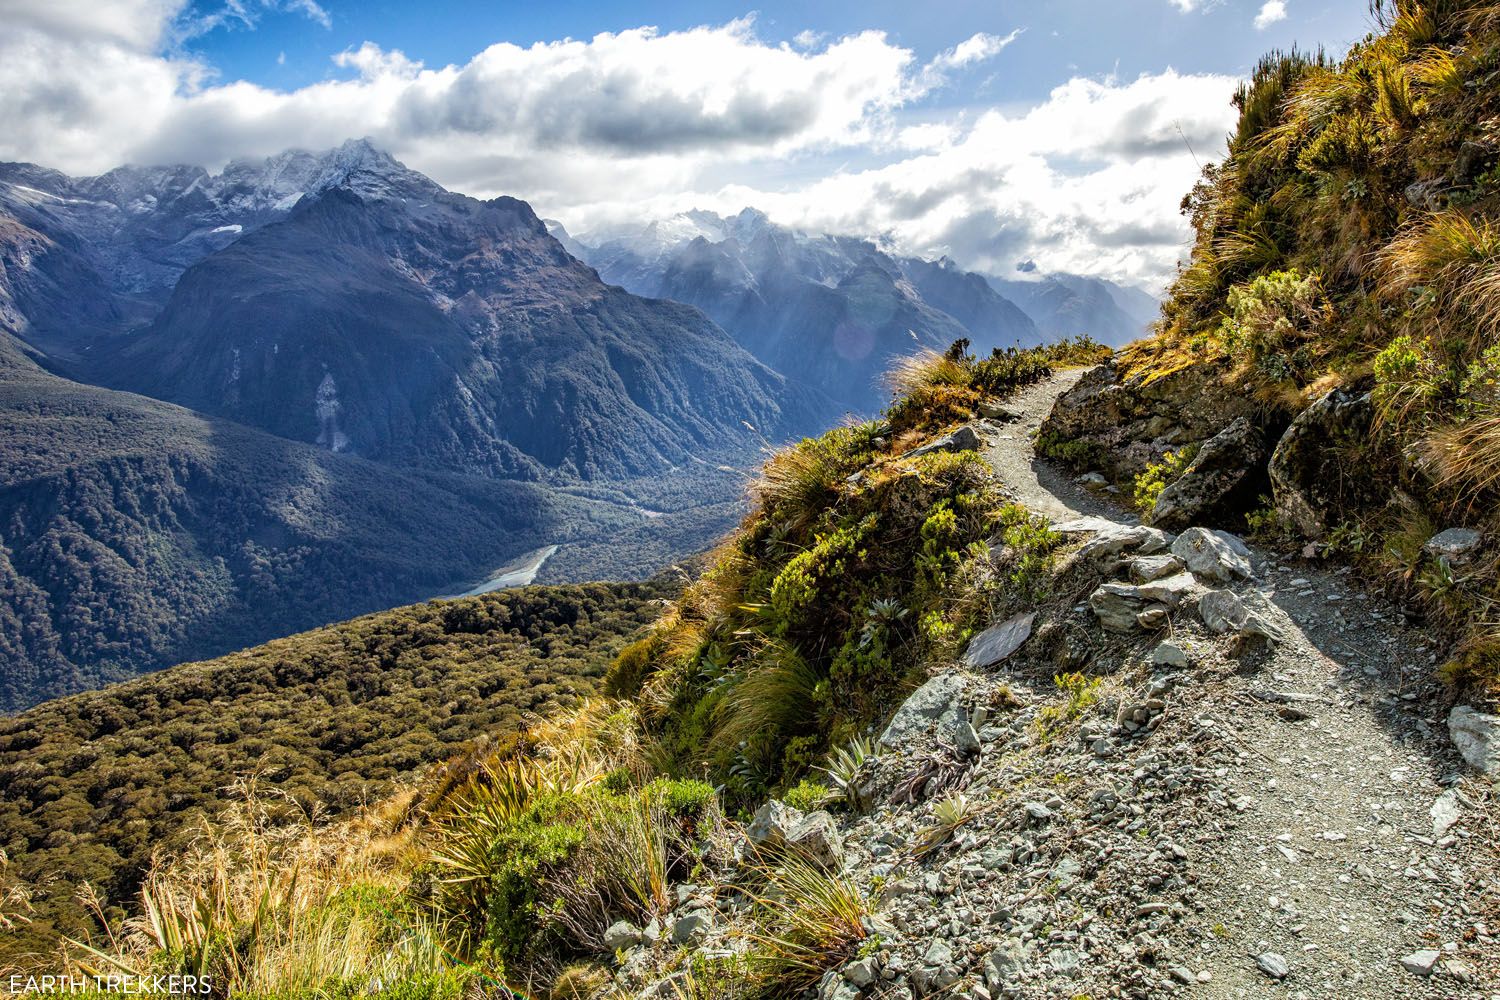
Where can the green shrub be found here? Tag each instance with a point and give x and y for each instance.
(1275, 321)
(808, 795)
(684, 798)
(1157, 476)
(1409, 379)
(1076, 454)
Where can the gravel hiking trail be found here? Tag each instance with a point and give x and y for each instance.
(1360, 859)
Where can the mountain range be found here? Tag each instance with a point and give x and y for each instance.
(238, 404)
(837, 309)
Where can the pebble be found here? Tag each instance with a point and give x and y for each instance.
(1272, 964)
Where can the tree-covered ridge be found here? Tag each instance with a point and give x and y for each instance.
(91, 786)
(1351, 239)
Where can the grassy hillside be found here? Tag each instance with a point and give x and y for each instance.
(1351, 240)
(91, 786)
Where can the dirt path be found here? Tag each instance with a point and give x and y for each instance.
(1335, 750)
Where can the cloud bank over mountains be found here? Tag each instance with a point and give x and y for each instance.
(851, 134)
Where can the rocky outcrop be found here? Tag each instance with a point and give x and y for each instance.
(777, 826)
(1457, 545)
(1213, 555)
(963, 439)
(1223, 478)
(1304, 490)
(936, 706)
(1122, 421)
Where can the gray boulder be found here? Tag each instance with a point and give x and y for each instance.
(622, 934)
(1114, 539)
(999, 641)
(692, 928)
(1169, 654)
(836, 987)
(1213, 555)
(1006, 963)
(1456, 545)
(963, 439)
(778, 826)
(1215, 480)
(1144, 569)
(924, 709)
(1116, 606)
(1477, 737)
(1273, 964)
(1227, 613)
(1304, 489)
(1123, 607)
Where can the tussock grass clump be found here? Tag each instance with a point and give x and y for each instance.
(1352, 238)
(933, 390)
(807, 919)
(260, 905)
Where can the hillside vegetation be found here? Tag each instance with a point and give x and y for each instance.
(867, 557)
(1351, 239)
(324, 722)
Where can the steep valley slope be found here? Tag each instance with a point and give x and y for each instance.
(394, 391)
(137, 534)
(422, 328)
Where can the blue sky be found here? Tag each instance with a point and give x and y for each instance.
(289, 49)
(1064, 132)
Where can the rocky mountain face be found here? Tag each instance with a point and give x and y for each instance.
(832, 309)
(429, 329)
(91, 255)
(839, 308)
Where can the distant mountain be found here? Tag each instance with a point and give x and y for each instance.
(832, 310)
(388, 318)
(1065, 305)
(836, 309)
(91, 255)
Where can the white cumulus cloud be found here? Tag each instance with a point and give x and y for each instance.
(1087, 181)
(1270, 12)
(627, 125)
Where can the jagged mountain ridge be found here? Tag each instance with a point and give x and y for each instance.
(1065, 305)
(92, 255)
(839, 307)
(387, 317)
(833, 309)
